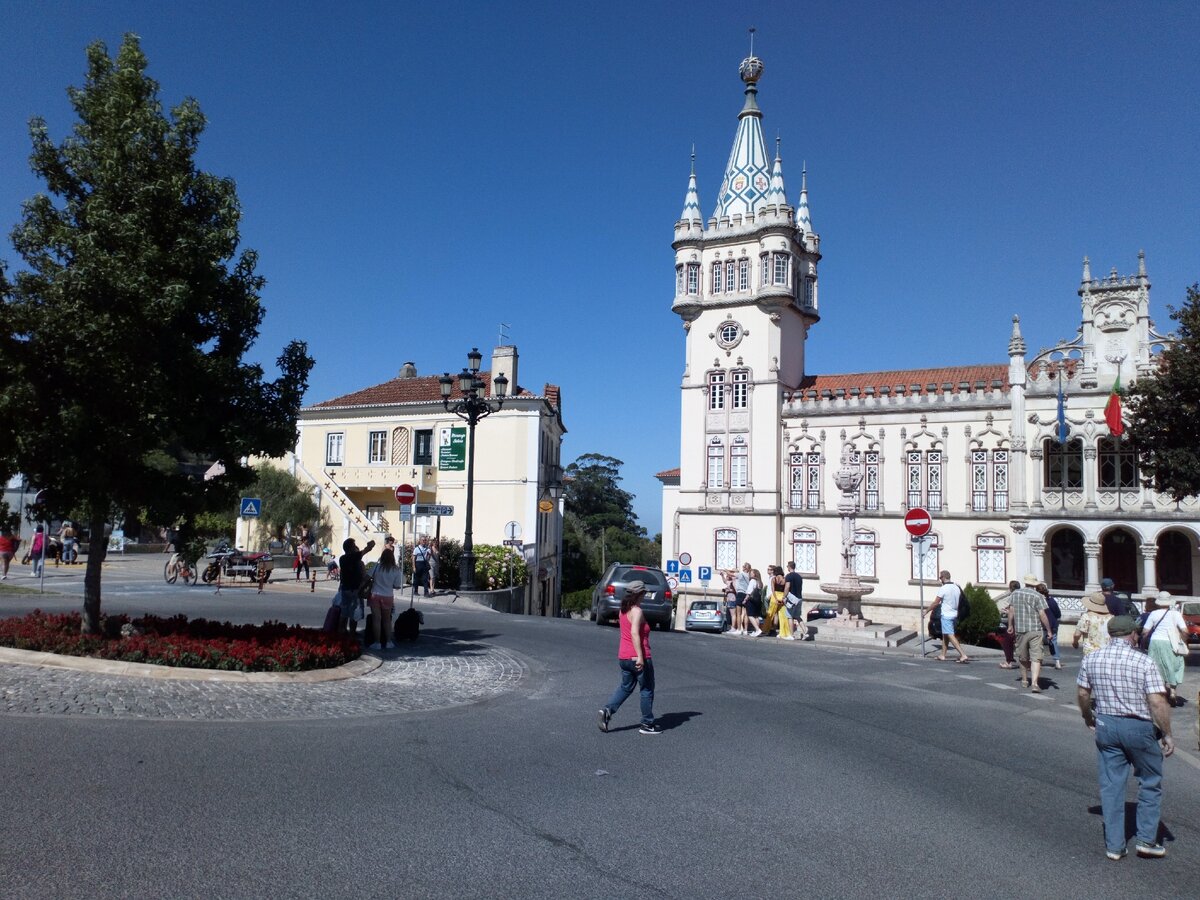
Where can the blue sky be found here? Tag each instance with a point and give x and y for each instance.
(414, 174)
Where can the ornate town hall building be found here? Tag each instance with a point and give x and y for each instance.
(978, 446)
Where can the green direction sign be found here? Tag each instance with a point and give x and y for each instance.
(452, 450)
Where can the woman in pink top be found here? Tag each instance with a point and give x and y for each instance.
(633, 656)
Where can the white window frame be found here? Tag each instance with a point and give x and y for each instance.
(804, 550)
(932, 558)
(743, 274)
(865, 543)
(335, 448)
(693, 278)
(730, 278)
(780, 268)
(378, 451)
(718, 277)
(716, 466)
(678, 280)
(805, 480)
(740, 398)
(991, 549)
(810, 291)
(716, 390)
(374, 514)
(739, 465)
(725, 548)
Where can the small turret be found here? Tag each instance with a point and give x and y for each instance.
(803, 216)
(691, 214)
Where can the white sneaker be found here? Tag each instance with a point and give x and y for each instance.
(790, 637)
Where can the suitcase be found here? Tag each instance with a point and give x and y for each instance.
(333, 618)
(408, 625)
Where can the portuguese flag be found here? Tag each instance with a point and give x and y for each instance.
(1112, 410)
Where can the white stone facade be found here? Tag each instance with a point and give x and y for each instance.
(976, 445)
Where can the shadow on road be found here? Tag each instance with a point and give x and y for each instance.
(675, 719)
(1165, 834)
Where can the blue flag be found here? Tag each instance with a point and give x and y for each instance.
(1062, 412)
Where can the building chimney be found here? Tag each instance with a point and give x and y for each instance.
(504, 362)
(408, 370)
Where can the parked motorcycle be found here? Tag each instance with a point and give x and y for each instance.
(229, 562)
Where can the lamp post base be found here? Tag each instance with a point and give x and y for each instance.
(466, 571)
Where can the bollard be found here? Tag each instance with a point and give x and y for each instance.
(312, 583)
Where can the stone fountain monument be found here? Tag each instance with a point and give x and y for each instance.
(848, 589)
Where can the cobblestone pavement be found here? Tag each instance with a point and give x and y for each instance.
(434, 673)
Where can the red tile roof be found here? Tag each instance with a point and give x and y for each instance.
(422, 389)
(667, 475)
(929, 381)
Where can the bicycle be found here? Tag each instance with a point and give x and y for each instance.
(177, 567)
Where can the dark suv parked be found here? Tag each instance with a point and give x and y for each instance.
(658, 605)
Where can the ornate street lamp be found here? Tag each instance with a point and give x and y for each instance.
(471, 408)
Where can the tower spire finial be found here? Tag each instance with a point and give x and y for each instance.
(1087, 269)
(752, 30)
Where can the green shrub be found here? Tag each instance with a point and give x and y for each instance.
(577, 601)
(492, 567)
(984, 617)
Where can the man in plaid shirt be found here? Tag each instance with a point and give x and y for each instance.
(1131, 717)
(1027, 618)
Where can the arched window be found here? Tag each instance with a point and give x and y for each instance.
(716, 390)
(864, 553)
(1174, 563)
(1118, 468)
(990, 567)
(1067, 560)
(1064, 465)
(725, 551)
(804, 551)
(1119, 559)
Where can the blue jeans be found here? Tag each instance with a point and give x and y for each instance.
(630, 678)
(1122, 743)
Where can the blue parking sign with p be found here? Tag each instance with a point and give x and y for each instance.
(705, 573)
(672, 566)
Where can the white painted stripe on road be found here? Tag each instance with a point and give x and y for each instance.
(910, 664)
(1032, 696)
(1003, 687)
(1069, 706)
(969, 677)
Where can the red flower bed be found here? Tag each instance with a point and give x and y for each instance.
(179, 641)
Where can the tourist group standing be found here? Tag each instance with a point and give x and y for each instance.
(755, 608)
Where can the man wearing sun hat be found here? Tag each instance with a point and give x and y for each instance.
(1122, 698)
(1026, 622)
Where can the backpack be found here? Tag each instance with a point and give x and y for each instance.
(964, 605)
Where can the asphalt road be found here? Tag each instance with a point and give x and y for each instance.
(783, 767)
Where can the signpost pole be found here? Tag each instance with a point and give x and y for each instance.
(921, 585)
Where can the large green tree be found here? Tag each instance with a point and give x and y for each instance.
(1163, 412)
(125, 333)
(599, 525)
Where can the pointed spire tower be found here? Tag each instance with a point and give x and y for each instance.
(691, 215)
(776, 194)
(746, 290)
(803, 217)
(747, 177)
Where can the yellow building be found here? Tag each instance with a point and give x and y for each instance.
(356, 449)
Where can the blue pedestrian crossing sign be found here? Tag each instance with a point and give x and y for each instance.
(672, 566)
(705, 573)
(685, 576)
(251, 506)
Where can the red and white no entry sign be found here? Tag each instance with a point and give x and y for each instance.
(918, 521)
(406, 495)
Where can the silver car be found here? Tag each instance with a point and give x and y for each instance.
(705, 615)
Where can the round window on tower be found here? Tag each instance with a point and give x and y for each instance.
(729, 334)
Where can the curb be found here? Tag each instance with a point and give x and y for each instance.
(10, 655)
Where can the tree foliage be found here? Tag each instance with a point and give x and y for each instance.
(286, 504)
(599, 525)
(1163, 412)
(124, 336)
